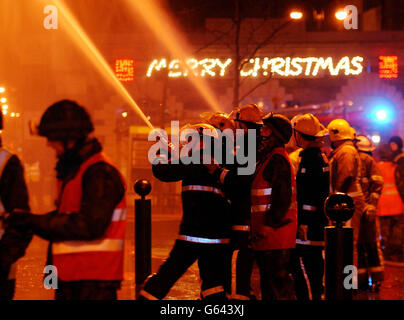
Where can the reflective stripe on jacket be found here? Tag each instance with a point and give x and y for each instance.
(280, 238)
(390, 202)
(100, 259)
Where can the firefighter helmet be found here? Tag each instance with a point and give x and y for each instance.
(340, 129)
(202, 129)
(280, 125)
(364, 144)
(219, 120)
(309, 125)
(249, 113)
(65, 120)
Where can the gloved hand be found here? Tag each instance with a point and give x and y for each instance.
(19, 219)
(370, 212)
(302, 232)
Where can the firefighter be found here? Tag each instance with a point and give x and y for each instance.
(204, 234)
(293, 150)
(312, 183)
(370, 257)
(390, 209)
(396, 145)
(345, 171)
(238, 188)
(13, 198)
(87, 230)
(273, 210)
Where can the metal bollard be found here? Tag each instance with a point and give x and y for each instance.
(142, 234)
(339, 207)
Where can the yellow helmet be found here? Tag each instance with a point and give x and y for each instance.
(364, 144)
(219, 120)
(340, 129)
(248, 113)
(309, 125)
(353, 131)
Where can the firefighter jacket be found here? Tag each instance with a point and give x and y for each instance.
(206, 217)
(87, 229)
(312, 184)
(13, 195)
(390, 202)
(295, 159)
(399, 174)
(371, 179)
(345, 170)
(273, 202)
(237, 188)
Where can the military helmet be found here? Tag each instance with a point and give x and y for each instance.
(65, 120)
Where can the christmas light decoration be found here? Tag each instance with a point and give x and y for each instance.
(124, 69)
(388, 67)
(254, 67)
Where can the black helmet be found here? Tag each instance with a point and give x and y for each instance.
(65, 120)
(280, 125)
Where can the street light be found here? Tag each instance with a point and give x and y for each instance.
(296, 15)
(341, 15)
(3, 100)
(2, 89)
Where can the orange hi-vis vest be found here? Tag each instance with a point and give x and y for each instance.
(100, 259)
(390, 202)
(280, 238)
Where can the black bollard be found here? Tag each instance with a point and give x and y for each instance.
(339, 207)
(142, 234)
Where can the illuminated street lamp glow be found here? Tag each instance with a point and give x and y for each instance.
(376, 138)
(296, 15)
(5, 106)
(2, 89)
(341, 15)
(124, 114)
(381, 115)
(4, 112)
(3, 100)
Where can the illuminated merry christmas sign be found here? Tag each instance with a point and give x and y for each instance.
(279, 66)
